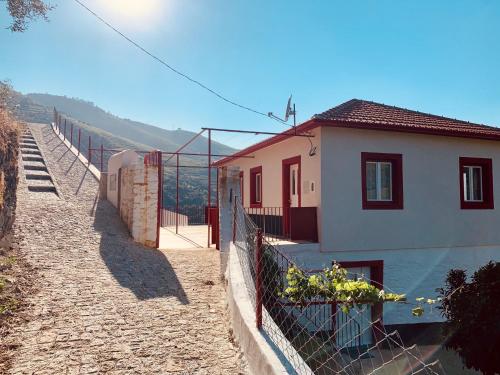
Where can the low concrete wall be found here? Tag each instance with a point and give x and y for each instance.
(91, 167)
(259, 354)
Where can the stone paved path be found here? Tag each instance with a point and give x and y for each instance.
(106, 304)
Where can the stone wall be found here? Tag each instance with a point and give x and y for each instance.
(9, 150)
(139, 202)
(127, 196)
(144, 225)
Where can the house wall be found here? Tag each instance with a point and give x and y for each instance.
(416, 272)
(270, 159)
(431, 217)
(429, 236)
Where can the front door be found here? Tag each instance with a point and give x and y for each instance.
(291, 190)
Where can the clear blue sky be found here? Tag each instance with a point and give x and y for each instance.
(441, 57)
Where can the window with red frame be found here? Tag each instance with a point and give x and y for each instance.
(382, 181)
(256, 187)
(476, 183)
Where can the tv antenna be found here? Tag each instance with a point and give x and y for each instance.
(290, 111)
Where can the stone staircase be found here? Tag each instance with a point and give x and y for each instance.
(38, 178)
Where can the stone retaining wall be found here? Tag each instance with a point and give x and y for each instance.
(9, 151)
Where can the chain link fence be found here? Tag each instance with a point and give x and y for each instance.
(316, 336)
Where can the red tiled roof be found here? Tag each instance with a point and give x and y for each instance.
(362, 114)
(370, 113)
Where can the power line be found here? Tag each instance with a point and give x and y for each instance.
(164, 63)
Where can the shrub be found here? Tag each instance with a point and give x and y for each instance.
(472, 310)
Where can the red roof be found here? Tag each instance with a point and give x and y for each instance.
(362, 114)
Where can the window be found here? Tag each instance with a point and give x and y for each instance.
(379, 181)
(476, 183)
(256, 187)
(382, 181)
(473, 187)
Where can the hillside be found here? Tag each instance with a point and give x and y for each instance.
(155, 137)
(117, 133)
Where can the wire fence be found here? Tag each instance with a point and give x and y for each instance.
(316, 336)
(93, 147)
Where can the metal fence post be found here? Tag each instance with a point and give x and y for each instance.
(160, 197)
(258, 280)
(64, 129)
(102, 158)
(71, 135)
(90, 149)
(177, 195)
(79, 136)
(209, 198)
(234, 218)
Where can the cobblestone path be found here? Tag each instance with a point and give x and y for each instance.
(105, 304)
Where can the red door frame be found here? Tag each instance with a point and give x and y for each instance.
(285, 191)
(242, 189)
(377, 279)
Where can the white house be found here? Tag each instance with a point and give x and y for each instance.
(398, 195)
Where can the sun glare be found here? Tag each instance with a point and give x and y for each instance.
(138, 14)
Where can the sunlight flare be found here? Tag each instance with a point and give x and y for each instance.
(136, 14)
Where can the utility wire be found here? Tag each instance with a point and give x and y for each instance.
(164, 63)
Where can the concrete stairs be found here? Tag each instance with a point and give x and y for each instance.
(38, 178)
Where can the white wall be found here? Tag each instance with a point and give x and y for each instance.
(270, 159)
(416, 273)
(431, 216)
(420, 243)
(119, 160)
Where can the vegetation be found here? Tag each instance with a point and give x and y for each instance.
(333, 285)
(25, 11)
(472, 310)
(152, 136)
(117, 133)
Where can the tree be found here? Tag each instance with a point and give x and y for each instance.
(24, 11)
(472, 310)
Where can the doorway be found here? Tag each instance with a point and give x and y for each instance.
(291, 192)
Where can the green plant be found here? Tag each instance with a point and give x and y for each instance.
(333, 285)
(8, 305)
(472, 310)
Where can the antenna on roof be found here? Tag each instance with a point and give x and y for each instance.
(288, 112)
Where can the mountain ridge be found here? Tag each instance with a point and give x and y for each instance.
(155, 137)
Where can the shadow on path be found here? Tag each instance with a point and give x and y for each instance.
(145, 271)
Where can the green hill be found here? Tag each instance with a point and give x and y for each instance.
(155, 137)
(117, 133)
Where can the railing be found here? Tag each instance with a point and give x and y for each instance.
(277, 224)
(269, 220)
(170, 218)
(96, 154)
(188, 215)
(314, 335)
